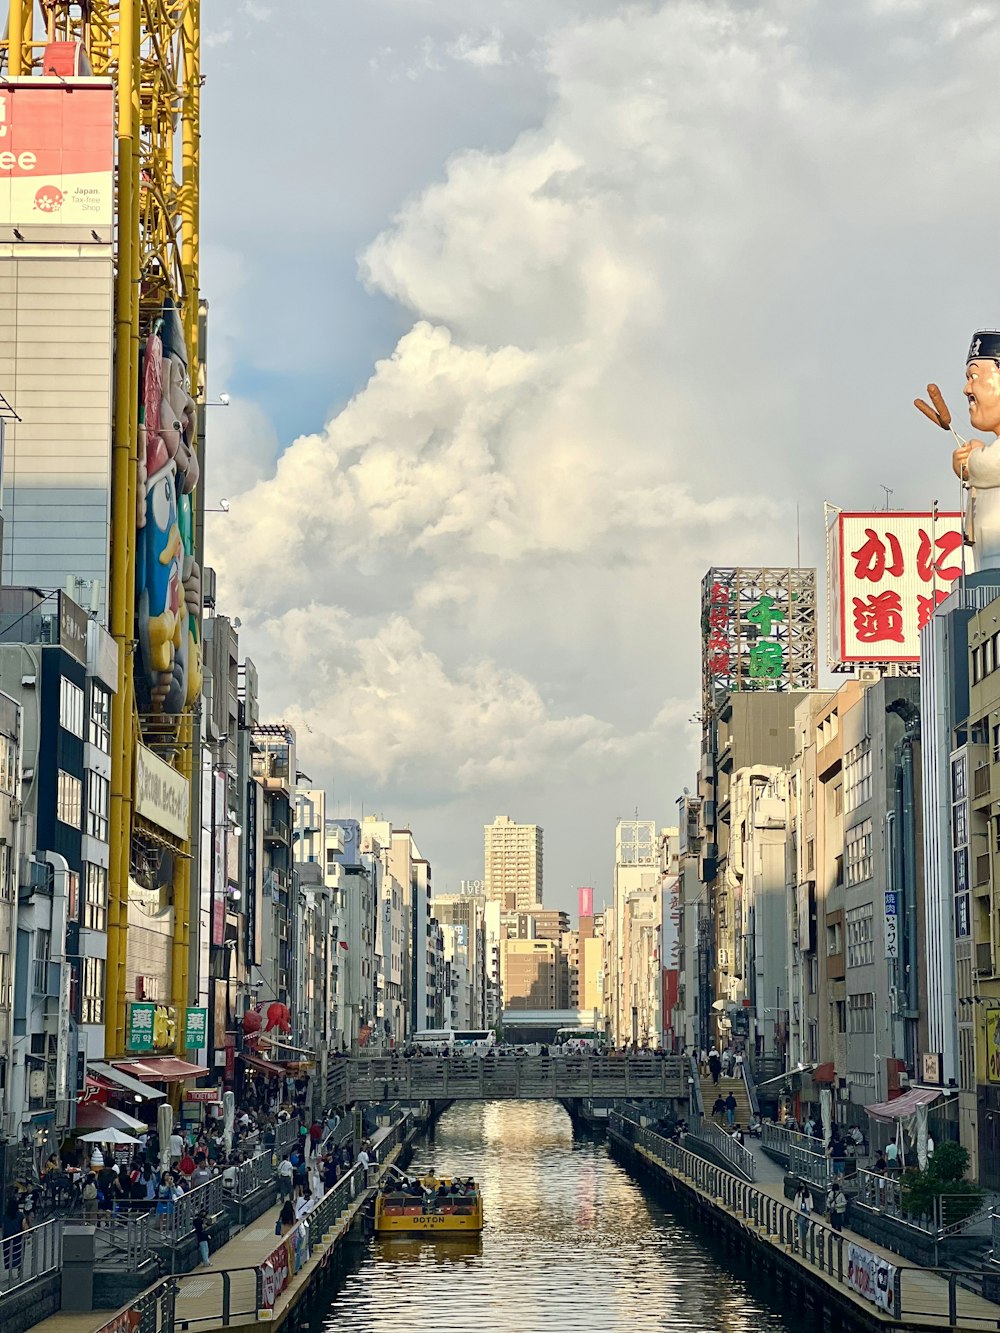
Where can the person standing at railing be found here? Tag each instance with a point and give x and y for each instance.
(202, 1237)
(13, 1227)
(803, 1205)
(836, 1206)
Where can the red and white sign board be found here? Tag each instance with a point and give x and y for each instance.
(203, 1095)
(887, 573)
(57, 153)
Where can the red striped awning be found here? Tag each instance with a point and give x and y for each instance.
(160, 1069)
(905, 1105)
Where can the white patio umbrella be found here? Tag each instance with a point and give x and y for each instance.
(108, 1136)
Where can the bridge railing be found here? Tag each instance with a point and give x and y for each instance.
(419, 1078)
(816, 1245)
(739, 1157)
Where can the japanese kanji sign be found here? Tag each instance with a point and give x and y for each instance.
(759, 630)
(888, 571)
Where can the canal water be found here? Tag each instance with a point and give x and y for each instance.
(571, 1242)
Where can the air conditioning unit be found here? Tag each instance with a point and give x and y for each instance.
(904, 1080)
(869, 675)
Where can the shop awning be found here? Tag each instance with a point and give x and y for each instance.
(95, 1115)
(905, 1105)
(258, 1062)
(160, 1069)
(123, 1080)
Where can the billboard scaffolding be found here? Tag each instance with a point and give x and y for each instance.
(758, 630)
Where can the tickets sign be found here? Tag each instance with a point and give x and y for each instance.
(57, 153)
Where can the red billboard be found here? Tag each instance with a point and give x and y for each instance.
(57, 153)
(888, 570)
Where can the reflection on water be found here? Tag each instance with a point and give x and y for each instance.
(571, 1243)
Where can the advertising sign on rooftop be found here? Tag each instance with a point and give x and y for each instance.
(758, 631)
(57, 155)
(887, 573)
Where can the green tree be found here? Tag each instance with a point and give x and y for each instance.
(943, 1180)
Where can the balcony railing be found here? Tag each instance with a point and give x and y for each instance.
(45, 977)
(31, 1254)
(276, 830)
(981, 781)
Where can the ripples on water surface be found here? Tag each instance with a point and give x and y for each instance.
(571, 1243)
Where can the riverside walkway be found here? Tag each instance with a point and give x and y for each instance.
(825, 1260)
(257, 1276)
(505, 1077)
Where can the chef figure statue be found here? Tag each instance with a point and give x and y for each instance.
(975, 462)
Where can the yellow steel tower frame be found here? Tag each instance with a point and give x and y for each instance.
(151, 48)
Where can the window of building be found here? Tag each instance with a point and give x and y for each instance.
(838, 799)
(98, 791)
(810, 856)
(813, 1041)
(840, 1013)
(960, 813)
(100, 718)
(859, 925)
(861, 1013)
(95, 897)
(71, 707)
(977, 665)
(813, 974)
(69, 799)
(989, 657)
(857, 775)
(834, 939)
(858, 848)
(92, 991)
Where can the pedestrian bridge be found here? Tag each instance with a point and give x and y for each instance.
(504, 1077)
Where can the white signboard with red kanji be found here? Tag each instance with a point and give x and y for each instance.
(888, 571)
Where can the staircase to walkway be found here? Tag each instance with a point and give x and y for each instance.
(725, 1086)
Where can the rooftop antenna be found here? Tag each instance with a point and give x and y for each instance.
(798, 540)
(888, 494)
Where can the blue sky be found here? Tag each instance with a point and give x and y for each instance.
(532, 311)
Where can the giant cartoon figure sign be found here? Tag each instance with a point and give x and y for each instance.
(977, 463)
(168, 580)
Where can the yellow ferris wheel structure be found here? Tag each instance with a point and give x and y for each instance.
(151, 51)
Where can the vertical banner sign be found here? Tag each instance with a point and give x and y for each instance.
(141, 1018)
(196, 1028)
(993, 1045)
(892, 925)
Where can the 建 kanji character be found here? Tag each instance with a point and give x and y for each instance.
(931, 566)
(879, 618)
(869, 558)
(767, 660)
(926, 605)
(764, 612)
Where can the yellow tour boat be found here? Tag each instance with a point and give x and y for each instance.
(428, 1205)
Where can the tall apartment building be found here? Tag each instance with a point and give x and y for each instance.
(466, 913)
(512, 856)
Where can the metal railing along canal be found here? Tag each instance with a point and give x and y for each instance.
(31, 1254)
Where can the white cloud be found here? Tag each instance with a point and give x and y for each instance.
(484, 52)
(702, 287)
